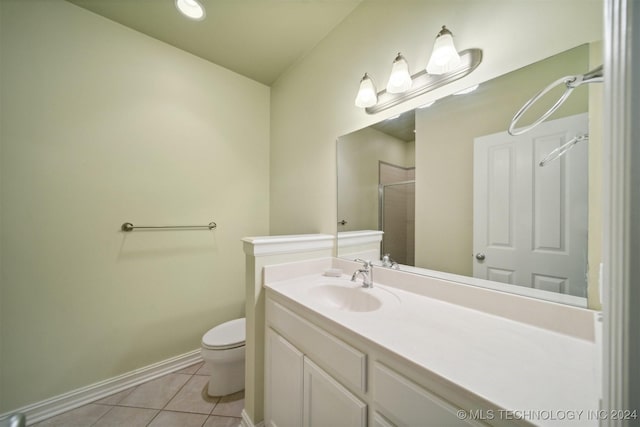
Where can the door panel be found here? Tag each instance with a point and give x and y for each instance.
(530, 222)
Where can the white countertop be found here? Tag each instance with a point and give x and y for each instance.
(516, 366)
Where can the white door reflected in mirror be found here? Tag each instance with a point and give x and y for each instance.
(530, 222)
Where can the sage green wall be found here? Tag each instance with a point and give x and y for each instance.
(362, 151)
(312, 104)
(102, 125)
(444, 153)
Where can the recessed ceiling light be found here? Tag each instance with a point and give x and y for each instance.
(427, 105)
(467, 90)
(192, 9)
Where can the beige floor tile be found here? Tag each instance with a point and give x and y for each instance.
(157, 393)
(204, 370)
(120, 416)
(114, 399)
(215, 421)
(191, 369)
(80, 417)
(193, 397)
(175, 419)
(230, 406)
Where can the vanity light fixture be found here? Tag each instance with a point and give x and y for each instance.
(446, 65)
(192, 9)
(367, 94)
(400, 79)
(444, 56)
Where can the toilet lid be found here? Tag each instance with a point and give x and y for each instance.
(226, 335)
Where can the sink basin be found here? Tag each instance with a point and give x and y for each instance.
(346, 298)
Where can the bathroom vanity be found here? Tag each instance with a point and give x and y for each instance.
(419, 351)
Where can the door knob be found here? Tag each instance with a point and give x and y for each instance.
(480, 256)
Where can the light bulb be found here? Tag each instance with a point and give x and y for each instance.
(400, 79)
(367, 94)
(467, 90)
(192, 9)
(444, 57)
(426, 105)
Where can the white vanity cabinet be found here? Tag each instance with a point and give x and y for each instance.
(298, 392)
(315, 378)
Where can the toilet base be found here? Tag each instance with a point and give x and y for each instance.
(225, 378)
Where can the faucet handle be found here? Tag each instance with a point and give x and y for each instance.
(386, 260)
(366, 264)
(367, 273)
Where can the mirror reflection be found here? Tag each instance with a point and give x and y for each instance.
(458, 197)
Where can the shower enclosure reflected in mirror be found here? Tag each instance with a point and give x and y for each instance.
(456, 197)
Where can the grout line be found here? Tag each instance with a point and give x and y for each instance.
(217, 402)
(154, 417)
(100, 417)
(172, 397)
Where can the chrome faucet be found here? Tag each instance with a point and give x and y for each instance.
(389, 263)
(367, 273)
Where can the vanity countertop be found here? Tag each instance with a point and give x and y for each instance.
(545, 376)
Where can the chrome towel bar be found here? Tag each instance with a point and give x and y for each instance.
(560, 151)
(127, 226)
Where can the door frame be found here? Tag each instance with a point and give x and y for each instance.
(621, 237)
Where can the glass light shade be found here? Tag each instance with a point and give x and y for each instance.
(444, 57)
(400, 79)
(367, 94)
(192, 9)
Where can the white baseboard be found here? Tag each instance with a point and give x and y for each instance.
(248, 422)
(56, 405)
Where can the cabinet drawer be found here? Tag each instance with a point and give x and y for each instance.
(405, 403)
(344, 362)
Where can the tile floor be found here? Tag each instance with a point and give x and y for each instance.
(178, 399)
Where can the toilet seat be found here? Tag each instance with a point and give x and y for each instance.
(225, 336)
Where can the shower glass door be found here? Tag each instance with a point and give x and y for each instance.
(397, 212)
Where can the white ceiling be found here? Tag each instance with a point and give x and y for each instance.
(259, 39)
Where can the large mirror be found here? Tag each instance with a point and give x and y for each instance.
(445, 191)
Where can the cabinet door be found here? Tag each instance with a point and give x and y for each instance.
(328, 403)
(283, 382)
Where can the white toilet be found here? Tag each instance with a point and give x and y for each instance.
(223, 352)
